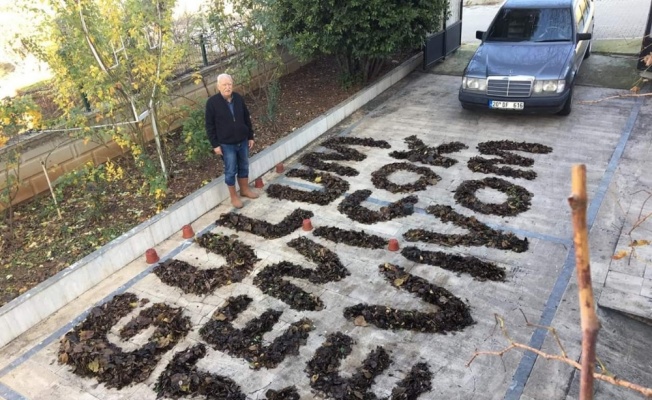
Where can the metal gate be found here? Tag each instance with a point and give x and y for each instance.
(646, 45)
(623, 22)
(440, 44)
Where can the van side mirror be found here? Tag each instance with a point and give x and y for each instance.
(479, 34)
(583, 36)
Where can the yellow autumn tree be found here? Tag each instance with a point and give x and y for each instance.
(113, 59)
(16, 117)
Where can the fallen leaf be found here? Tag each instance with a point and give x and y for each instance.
(648, 60)
(360, 321)
(219, 317)
(399, 281)
(94, 365)
(640, 243)
(63, 358)
(85, 335)
(163, 342)
(620, 254)
(318, 179)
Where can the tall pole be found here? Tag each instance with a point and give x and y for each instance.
(589, 319)
(646, 45)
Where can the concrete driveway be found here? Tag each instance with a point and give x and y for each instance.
(610, 137)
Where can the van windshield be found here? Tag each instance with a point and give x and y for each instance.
(532, 24)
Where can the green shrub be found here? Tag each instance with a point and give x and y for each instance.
(362, 34)
(196, 146)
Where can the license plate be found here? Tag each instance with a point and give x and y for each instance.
(507, 105)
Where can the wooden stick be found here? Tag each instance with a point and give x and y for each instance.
(54, 198)
(589, 319)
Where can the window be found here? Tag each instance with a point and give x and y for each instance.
(537, 25)
(587, 10)
(580, 10)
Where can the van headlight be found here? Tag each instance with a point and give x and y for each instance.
(549, 86)
(475, 84)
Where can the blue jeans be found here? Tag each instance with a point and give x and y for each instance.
(236, 161)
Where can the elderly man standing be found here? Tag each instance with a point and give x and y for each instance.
(229, 130)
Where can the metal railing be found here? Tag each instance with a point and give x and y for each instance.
(202, 50)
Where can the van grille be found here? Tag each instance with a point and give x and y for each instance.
(505, 86)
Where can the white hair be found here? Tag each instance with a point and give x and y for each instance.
(223, 76)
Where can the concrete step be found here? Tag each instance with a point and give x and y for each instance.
(638, 307)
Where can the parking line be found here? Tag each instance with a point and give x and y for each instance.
(528, 359)
(8, 394)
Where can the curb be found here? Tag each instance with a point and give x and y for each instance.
(40, 302)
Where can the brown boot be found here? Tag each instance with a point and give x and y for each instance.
(245, 190)
(235, 200)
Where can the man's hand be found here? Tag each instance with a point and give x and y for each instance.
(218, 150)
(251, 144)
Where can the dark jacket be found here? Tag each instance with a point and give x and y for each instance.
(224, 127)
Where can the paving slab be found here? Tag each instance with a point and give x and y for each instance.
(539, 281)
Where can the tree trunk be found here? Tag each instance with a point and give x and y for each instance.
(589, 319)
(377, 65)
(157, 138)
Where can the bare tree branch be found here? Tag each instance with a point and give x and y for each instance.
(602, 377)
(619, 96)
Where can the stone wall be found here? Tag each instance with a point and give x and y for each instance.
(63, 152)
